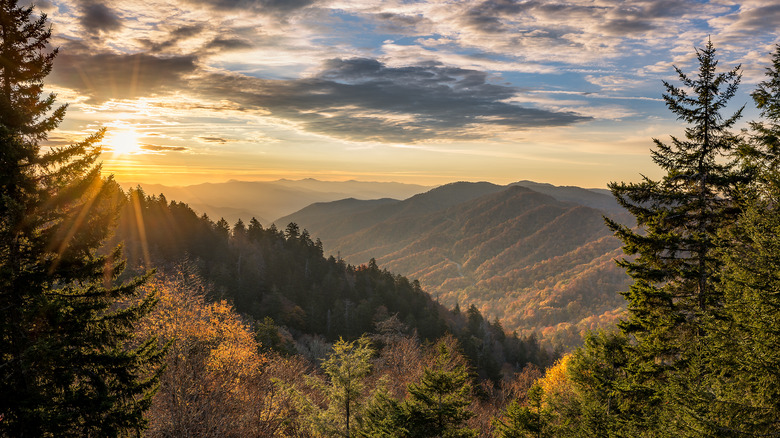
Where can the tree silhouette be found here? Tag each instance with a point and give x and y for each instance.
(69, 365)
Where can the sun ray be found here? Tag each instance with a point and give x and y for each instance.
(139, 221)
(76, 222)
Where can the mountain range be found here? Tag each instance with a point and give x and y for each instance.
(266, 200)
(534, 256)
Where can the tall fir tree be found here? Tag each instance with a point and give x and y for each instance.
(519, 421)
(68, 363)
(675, 271)
(745, 334)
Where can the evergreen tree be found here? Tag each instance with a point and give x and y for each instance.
(745, 335)
(520, 421)
(437, 406)
(346, 367)
(595, 369)
(68, 363)
(382, 417)
(766, 134)
(675, 272)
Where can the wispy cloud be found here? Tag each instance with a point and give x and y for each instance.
(159, 148)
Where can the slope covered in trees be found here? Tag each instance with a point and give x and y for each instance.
(527, 258)
(267, 273)
(356, 350)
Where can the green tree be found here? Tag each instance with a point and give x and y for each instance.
(766, 133)
(520, 421)
(69, 365)
(675, 271)
(437, 405)
(382, 417)
(745, 335)
(346, 367)
(596, 369)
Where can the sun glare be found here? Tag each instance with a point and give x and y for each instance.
(123, 141)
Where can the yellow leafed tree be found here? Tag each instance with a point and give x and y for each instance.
(215, 375)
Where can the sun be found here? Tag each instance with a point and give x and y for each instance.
(123, 141)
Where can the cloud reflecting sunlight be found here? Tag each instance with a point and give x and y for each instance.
(335, 87)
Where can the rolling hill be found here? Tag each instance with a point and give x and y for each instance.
(540, 262)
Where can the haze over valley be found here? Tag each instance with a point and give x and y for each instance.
(268, 200)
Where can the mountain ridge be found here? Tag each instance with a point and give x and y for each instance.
(266, 200)
(481, 243)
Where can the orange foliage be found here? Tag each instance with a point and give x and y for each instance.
(214, 372)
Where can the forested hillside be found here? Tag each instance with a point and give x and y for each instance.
(537, 263)
(282, 275)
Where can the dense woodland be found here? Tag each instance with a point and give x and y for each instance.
(220, 330)
(281, 281)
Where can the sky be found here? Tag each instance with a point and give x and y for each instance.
(427, 92)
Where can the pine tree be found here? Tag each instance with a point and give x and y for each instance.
(382, 417)
(68, 363)
(346, 367)
(520, 421)
(675, 272)
(766, 134)
(437, 405)
(746, 333)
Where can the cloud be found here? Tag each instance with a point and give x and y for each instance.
(222, 44)
(752, 18)
(219, 140)
(270, 7)
(106, 76)
(620, 18)
(627, 26)
(97, 17)
(45, 6)
(362, 99)
(403, 24)
(158, 148)
(173, 38)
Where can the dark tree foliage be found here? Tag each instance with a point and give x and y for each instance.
(382, 418)
(520, 421)
(745, 335)
(437, 405)
(766, 134)
(68, 363)
(675, 270)
(25, 64)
